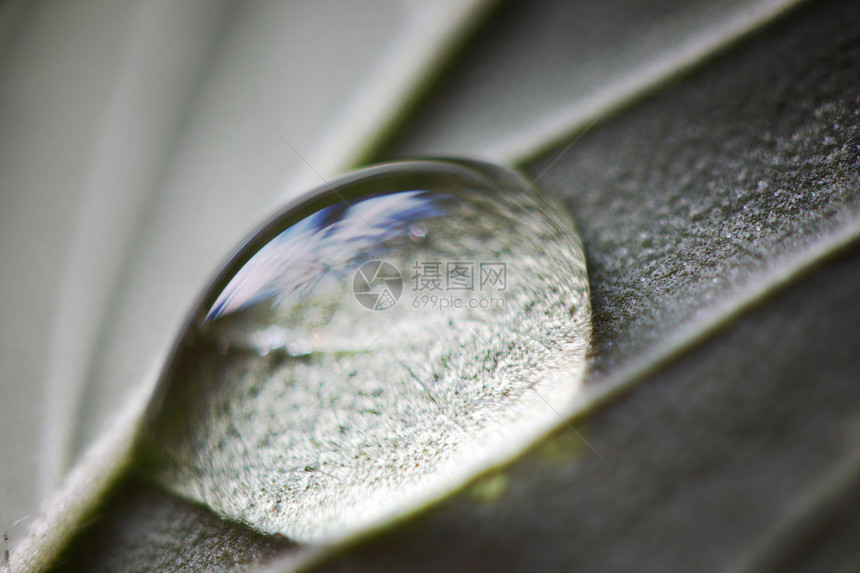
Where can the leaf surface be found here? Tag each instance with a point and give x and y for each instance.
(741, 178)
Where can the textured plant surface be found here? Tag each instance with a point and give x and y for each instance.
(720, 216)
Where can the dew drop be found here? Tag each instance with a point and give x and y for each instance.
(371, 347)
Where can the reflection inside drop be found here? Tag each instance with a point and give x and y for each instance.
(306, 253)
(372, 345)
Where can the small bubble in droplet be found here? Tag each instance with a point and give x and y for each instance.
(417, 232)
(270, 339)
(301, 348)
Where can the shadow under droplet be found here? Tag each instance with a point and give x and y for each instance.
(141, 526)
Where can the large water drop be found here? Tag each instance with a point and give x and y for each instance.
(372, 346)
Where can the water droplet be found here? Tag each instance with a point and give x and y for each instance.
(394, 331)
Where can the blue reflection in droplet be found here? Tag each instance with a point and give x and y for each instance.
(294, 261)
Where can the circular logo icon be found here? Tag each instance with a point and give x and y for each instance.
(377, 285)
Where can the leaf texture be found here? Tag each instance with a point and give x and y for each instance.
(177, 536)
(690, 198)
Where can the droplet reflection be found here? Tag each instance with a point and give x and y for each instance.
(372, 345)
